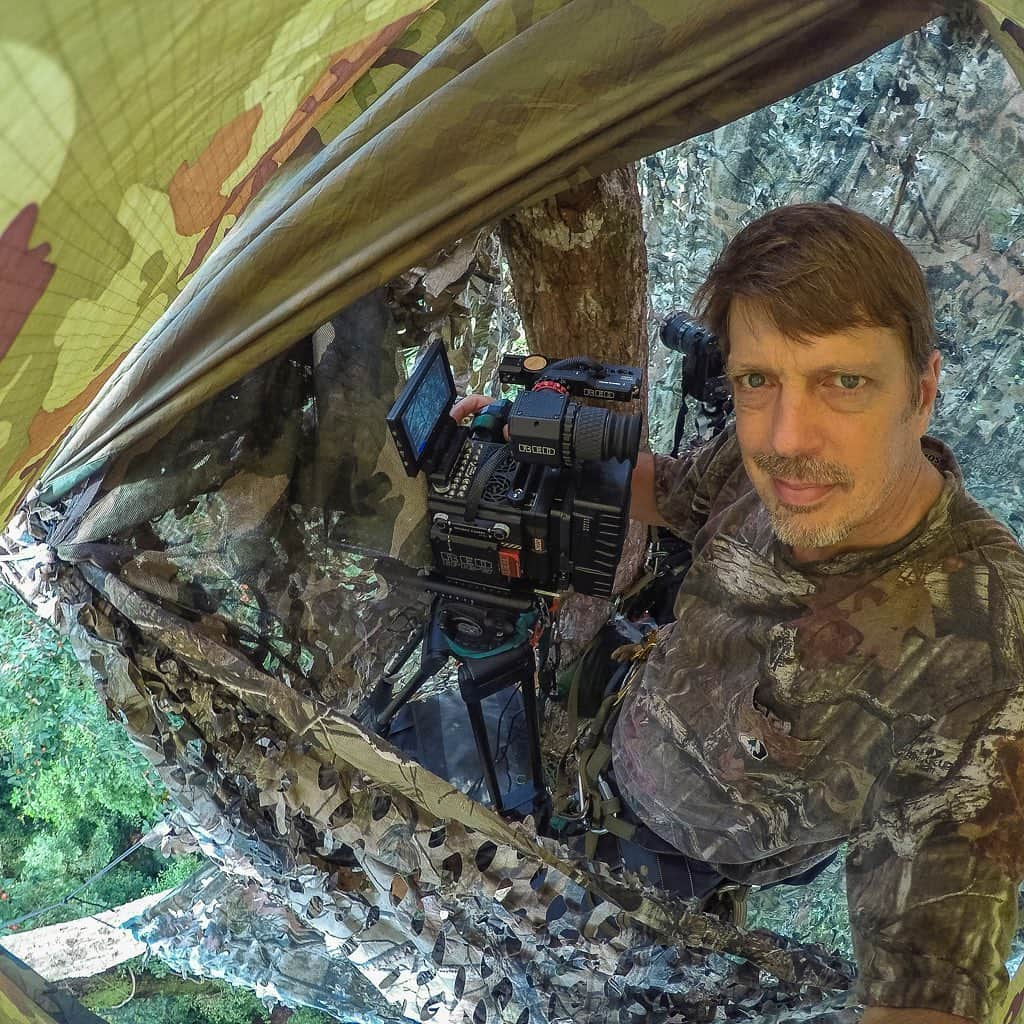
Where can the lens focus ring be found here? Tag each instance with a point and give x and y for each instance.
(588, 437)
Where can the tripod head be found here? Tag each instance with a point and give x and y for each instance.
(499, 643)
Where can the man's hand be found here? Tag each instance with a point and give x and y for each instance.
(892, 1015)
(469, 406)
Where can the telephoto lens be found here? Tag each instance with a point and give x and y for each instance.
(702, 355)
(681, 333)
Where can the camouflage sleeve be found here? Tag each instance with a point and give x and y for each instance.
(934, 866)
(685, 487)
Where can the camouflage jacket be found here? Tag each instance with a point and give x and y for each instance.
(877, 697)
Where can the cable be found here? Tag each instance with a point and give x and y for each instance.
(131, 995)
(73, 895)
(502, 754)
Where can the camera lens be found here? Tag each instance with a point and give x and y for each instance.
(681, 333)
(599, 434)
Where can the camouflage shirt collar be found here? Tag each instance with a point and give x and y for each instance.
(919, 538)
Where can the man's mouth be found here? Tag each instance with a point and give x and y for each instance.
(796, 492)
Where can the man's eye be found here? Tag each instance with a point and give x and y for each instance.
(752, 381)
(848, 381)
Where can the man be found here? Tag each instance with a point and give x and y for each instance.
(847, 658)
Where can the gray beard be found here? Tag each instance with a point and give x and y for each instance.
(790, 528)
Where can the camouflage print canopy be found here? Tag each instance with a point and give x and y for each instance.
(187, 195)
(356, 139)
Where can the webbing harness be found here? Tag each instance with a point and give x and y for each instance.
(592, 799)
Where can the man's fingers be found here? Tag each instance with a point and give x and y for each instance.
(469, 405)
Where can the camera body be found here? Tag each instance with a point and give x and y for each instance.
(544, 510)
(703, 375)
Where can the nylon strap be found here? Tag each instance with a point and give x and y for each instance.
(593, 749)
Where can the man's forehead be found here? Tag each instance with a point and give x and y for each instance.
(756, 342)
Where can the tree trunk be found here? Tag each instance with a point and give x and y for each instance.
(579, 270)
(579, 273)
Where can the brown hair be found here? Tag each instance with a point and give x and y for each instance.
(819, 268)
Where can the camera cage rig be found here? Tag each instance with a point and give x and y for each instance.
(499, 635)
(542, 505)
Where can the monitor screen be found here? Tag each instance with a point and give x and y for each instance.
(419, 418)
(431, 399)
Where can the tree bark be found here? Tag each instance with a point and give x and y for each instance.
(579, 270)
(579, 274)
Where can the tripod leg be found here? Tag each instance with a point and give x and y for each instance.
(404, 653)
(533, 731)
(483, 749)
(434, 655)
(403, 695)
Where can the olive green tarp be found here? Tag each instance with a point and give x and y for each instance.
(356, 139)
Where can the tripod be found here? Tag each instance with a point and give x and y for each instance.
(492, 638)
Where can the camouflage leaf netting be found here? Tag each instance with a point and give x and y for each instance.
(219, 926)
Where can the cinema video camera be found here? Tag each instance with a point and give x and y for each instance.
(511, 519)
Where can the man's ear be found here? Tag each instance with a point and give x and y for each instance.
(928, 387)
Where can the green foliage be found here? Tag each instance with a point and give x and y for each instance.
(113, 990)
(162, 997)
(305, 1015)
(74, 791)
(60, 757)
(231, 1006)
(226, 1005)
(177, 871)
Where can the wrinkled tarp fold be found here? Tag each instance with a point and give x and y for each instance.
(475, 110)
(130, 141)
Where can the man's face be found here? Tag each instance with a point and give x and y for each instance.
(829, 430)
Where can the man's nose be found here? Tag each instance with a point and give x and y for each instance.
(796, 427)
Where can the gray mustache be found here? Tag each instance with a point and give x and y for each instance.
(802, 469)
